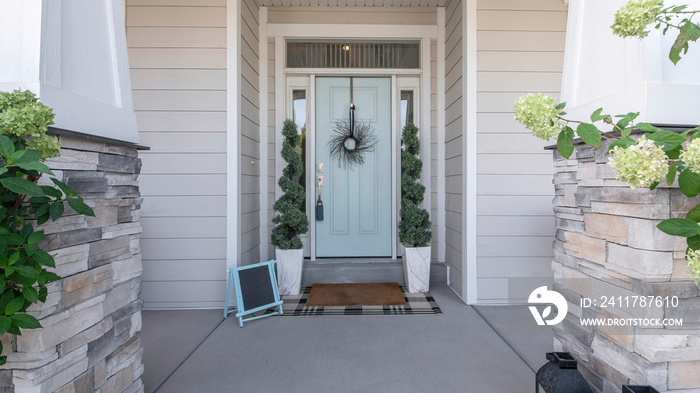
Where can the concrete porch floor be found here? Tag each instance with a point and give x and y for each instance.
(460, 351)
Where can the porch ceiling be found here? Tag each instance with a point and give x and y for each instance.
(351, 3)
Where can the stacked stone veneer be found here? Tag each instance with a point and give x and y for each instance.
(607, 244)
(90, 340)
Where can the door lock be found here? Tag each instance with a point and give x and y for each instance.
(319, 179)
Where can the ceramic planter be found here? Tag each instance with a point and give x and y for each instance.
(289, 269)
(416, 269)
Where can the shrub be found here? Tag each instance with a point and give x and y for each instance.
(290, 220)
(414, 227)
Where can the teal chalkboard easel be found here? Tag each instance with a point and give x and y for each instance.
(256, 290)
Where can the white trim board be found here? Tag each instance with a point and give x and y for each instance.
(354, 31)
(233, 134)
(264, 214)
(441, 136)
(469, 140)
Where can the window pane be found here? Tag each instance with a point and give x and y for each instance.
(299, 118)
(406, 107)
(353, 54)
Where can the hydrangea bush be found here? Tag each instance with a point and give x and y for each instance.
(633, 19)
(640, 165)
(25, 269)
(655, 156)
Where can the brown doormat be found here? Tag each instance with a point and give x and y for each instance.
(329, 295)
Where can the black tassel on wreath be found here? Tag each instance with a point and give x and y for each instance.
(353, 139)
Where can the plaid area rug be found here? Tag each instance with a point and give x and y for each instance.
(416, 304)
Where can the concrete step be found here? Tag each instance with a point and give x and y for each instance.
(363, 270)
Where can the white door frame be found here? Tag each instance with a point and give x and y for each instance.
(282, 32)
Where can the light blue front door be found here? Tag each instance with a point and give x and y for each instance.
(357, 200)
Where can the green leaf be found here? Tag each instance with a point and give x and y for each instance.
(43, 258)
(648, 127)
(52, 192)
(35, 237)
(64, 187)
(13, 239)
(13, 258)
(694, 242)
(694, 214)
(565, 142)
(623, 143)
(623, 123)
(5, 323)
(6, 146)
(20, 185)
(47, 276)
(34, 166)
(696, 134)
(654, 185)
(25, 321)
(589, 134)
(667, 140)
(689, 183)
(675, 153)
(3, 170)
(30, 293)
(560, 106)
(688, 31)
(27, 271)
(595, 116)
(14, 305)
(80, 207)
(671, 175)
(679, 227)
(56, 210)
(25, 156)
(43, 209)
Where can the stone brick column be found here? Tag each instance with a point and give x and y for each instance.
(90, 340)
(607, 244)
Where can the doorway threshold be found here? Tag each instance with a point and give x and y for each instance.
(336, 260)
(363, 270)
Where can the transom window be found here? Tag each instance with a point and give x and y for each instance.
(400, 54)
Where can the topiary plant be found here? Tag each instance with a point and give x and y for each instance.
(24, 144)
(414, 227)
(290, 220)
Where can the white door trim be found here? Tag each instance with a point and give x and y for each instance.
(422, 33)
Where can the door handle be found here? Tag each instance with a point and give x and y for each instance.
(319, 202)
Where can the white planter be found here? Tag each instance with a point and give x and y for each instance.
(289, 268)
(416, 269)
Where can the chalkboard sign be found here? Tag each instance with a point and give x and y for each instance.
(256, 290)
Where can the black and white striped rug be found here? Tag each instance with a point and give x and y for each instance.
(416, 304)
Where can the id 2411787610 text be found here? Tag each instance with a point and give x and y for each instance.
(629, 301)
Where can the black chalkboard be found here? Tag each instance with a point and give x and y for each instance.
(256, 287)
(256, 290)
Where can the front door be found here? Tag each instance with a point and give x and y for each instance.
(356, 198)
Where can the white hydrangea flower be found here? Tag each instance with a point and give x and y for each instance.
(692, 257)
(633, 18)
(538, 113)
(640, 165)
(691, 156)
